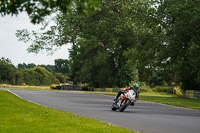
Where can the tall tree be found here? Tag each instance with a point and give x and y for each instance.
(9, 74)
(62, 66)
(182, 41)
(100, 41)
(38, 9)
(21, 66)
(50, 68)
(24, 66)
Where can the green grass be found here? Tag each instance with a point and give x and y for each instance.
(164, 98)
(18, 87)
(19, 116)
(170, 99)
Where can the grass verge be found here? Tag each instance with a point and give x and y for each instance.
(164, 98)
(5, 86)
(17, 115)
(170, 99)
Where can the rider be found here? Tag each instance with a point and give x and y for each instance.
(135, 87)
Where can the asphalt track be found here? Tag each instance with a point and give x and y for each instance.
(144, 117)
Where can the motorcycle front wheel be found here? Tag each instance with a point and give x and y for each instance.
(123, 105)
(114, 108)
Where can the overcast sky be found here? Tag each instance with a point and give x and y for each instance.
(16, 51)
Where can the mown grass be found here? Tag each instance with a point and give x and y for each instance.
(5, 86)
(20, 116)
(164, 98)
(170, 99)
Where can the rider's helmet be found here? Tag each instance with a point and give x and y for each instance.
(136, 86)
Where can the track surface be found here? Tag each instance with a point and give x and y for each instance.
(144, 117)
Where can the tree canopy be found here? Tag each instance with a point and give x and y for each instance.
(38, 76)
(8, 73)
(181, 43)
(152, 41)
(38, 9)
(62, 66)
(31, 74)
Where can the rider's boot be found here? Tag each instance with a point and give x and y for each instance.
(115, 99)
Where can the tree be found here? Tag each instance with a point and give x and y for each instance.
(151, 41)
(21, 66)
(182, 42)
(97, 57)
(101, 41)
(100, 54)
(24, 66)
(9, 74)
(62, 66)
(61, 77)
(38, 9)
(38, 76)
(50, 68)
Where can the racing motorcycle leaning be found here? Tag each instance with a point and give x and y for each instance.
(126, 99)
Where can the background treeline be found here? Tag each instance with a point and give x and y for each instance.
(30, 74)
(152, 41)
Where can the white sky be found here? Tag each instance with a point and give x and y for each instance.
(16, 51)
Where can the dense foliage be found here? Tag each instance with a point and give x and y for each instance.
(8, 73)
(61, 66)
(38, 76)
(38, 9)
(31, 74)
(154, 41)
(182, 35)
(61, 77)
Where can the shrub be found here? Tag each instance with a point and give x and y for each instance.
(163, 89)
(61, 77)
(37, 76)
(144, 87)
(9, 74)
(144, 90)
(54, 80)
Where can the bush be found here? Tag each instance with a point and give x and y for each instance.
(144, 87)
(9, 74)
(38, 76)
(144, 90)
(163, 89)
(54, 80)
(61, 77)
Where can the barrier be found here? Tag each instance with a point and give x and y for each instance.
(196, 94)
(77, 88)
(187, 94)
(191, 94)
(68, 87)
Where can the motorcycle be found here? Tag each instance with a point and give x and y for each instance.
(126, 99)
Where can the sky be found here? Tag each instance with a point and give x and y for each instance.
(15, 50)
